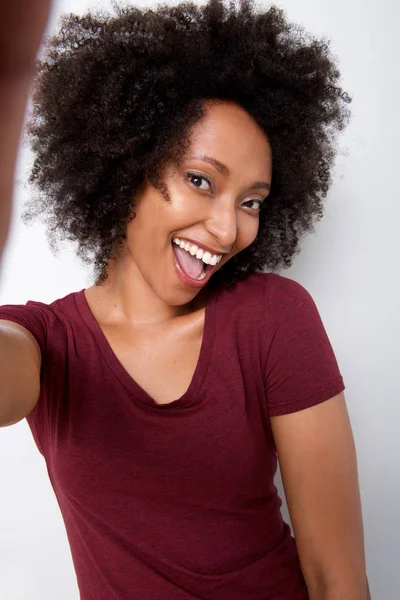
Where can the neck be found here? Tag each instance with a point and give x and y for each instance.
(128, 298)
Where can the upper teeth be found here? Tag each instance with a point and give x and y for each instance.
(206, 257)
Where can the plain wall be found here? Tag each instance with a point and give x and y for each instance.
(349, 266)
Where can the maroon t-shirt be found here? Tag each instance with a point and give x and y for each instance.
(177, 501)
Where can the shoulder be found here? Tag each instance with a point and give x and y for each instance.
(269, 290)
(44, 311)
(283, 295)
(281, 287)
(42, 319)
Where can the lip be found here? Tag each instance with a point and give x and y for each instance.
(184, 277)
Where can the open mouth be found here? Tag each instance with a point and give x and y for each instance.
(193, 271)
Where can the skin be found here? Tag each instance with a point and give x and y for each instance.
(318, 463)
(22, 25)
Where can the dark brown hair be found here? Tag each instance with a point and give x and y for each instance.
(115, 97)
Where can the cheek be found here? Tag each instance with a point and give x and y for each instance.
(247, 231)
(146, 221)
(139, 237)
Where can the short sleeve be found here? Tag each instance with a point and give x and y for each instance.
(40, 320)
(301, 369)
(34, 316)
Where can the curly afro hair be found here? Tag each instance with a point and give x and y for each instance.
(116, 97)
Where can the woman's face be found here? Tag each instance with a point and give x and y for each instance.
(215, 197)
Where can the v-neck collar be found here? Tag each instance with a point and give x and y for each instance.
(191, 395)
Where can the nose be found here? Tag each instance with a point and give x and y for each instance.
(222, 224)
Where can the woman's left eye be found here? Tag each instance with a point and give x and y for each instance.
(194, 176)
(257, 203)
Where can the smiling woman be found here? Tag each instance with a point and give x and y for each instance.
(186, 149)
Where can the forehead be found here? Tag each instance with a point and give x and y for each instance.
(228, 133)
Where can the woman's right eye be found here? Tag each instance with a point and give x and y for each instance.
(196, 180)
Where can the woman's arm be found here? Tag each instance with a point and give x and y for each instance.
(22, 24)
(319, 471)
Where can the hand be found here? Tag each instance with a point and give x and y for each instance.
(22, 24)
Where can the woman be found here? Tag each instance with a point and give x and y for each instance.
(185, 150)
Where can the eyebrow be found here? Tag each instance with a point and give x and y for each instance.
(258, 185)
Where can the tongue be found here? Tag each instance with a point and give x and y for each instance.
(190, 264)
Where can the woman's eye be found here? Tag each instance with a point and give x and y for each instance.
(254, 204)
(197, 180)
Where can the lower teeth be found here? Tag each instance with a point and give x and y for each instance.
(201, 276)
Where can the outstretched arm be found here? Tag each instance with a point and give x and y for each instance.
(22, 24)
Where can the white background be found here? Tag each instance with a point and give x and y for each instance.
(350, 266)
